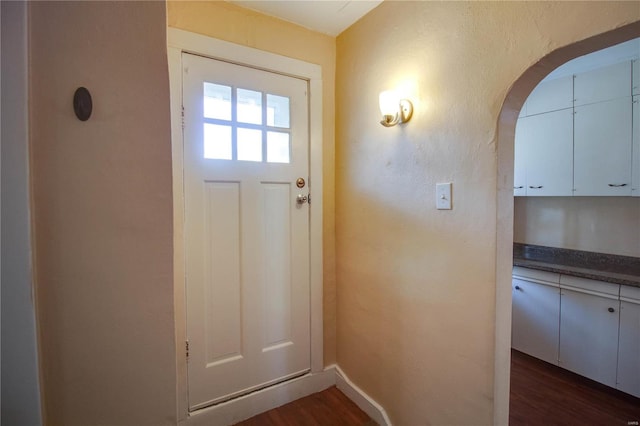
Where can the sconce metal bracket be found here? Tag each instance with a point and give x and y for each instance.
(402, 116)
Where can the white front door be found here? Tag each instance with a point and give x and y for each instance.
(246, 228)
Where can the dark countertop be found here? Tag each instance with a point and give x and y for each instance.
(596, 266)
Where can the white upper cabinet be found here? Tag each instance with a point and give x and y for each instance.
(551, 96)
(635, 167)
(546, 148)
(602, 148)
(520, 157)
(603, 84)
(635, 83)
(594, 153)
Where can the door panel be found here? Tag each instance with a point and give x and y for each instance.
(246, 237)
(223, 310)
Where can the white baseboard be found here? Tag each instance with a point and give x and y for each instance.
(247, 406)
(361, 399)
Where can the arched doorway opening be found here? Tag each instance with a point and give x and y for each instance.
(514, 100)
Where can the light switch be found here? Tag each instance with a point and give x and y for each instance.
(443, 196)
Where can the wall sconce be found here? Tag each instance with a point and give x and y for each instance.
(394, 110)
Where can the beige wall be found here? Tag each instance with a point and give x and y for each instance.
(417, 286)
(227, 22)
(102, 213)
(599, 224)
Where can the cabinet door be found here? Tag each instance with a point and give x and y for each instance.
(589, 335)
(547, 141)
(603, 84)
(635, 83)
(629, 348)
(535, 319)
(520, 157)
(602, 148)
(635, 166)
(551, 96)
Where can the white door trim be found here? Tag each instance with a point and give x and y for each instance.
(179, 41)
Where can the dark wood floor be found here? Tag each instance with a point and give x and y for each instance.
(327, 408)
(543, 394)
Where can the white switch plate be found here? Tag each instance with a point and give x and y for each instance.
(443, 196)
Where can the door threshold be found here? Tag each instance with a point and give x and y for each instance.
(248, 391)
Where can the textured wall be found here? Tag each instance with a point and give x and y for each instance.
(600, 224)
(231, 23)
(417, 286)
(103, 213)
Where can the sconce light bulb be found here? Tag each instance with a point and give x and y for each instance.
(394, 110)
(388, 103)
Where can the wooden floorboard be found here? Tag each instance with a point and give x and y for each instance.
(544, 394)
(541, 395)
(327, 408)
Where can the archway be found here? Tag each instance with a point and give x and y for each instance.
(507, 119)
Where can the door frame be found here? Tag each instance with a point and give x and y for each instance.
(179, 41)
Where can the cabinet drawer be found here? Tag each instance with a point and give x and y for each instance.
(536, 275)
(630, 294)
(584, 285)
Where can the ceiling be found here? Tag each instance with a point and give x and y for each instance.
(325, 16)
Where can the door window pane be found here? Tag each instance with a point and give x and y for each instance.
(249, 144)
(278, 147)
(217, 142)
(249, 106)
(277, 111)
(217, 101)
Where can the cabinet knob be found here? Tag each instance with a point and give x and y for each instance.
(611, 310)
(518, 287)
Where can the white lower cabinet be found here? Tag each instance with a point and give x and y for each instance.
(535, 317)
(635, 161)
(589, 335)
(629, 344)
(586, 326)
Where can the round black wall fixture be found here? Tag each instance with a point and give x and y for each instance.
(82, 104)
